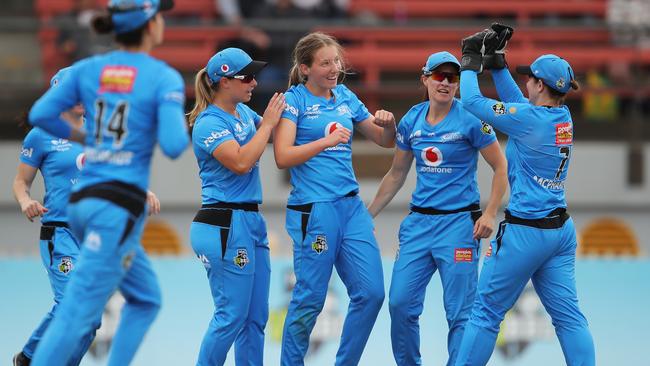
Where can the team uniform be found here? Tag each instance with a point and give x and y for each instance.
(438, 232)
(229, 236)
(329, 226)
(59, 161)
(132, 101)
(537, 239)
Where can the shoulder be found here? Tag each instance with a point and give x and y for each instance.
(412, 115)
(343, 91)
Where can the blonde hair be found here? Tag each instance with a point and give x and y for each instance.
(204, 91)
(304, 52)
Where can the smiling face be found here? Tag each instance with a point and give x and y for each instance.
(322, 75)
(442, 92)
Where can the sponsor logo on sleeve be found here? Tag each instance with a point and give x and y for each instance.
(175, 96)
(27, 152)
(117, 79)
(486, 128)
(499, 109)
(291, 109)
(214, 136)
(564, 133)
(462, 255)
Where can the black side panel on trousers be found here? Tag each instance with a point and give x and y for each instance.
(476, 215)
(500, 232)
(127, 229)
(306, 211)
(217, 217)
(47, 232)
(303, 224)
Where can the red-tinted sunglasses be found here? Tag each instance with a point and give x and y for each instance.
(246, 79)
(451, 77)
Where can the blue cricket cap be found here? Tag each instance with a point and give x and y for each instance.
(59, 76)
(438, 59)
(553, 70)
(128, 15)
(232, 62)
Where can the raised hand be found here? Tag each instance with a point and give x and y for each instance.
(473, 49)
(384, 119)
(495, 46)
(274, 110)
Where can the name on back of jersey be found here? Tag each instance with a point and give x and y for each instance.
(94, 155)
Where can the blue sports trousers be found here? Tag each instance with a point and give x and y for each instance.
(110, 222)
(59, 252)
(233, 246)
(430, 243)
(326, 235)
(545, 254)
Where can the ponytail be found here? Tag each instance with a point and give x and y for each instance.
(102, 23)
(203, 95)
(295, 77)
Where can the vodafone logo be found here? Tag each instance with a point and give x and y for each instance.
(432, 156)
(81, 160)
(331, 127)
(225, 68)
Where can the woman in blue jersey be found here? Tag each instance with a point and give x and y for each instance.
(537, 239)
(132, 101)
(444, 228)
(326, 219)
(228, 233)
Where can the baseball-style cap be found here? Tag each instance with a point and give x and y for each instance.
(438, 59)
(553, 70)
(59, 76)
(232, 62)
(128, 15)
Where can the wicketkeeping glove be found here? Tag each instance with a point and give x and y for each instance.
(495, 47)
(473, 49)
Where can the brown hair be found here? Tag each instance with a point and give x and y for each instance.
(304, 52)
(559, 96)
(204, 91)
(102, 23)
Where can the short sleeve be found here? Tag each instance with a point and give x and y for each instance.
(403, 132)
(256, 117)
(32, 152)
(211, 131)
(292, 110)
(359, 111)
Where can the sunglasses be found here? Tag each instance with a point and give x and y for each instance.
(452, 77)
(246, 79)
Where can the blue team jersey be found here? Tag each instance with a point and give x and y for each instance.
(539, 146)
(59, 161)
(445, 155)
(328, 175)
(129, 98)
(212, 128)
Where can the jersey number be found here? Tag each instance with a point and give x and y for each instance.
(116, 123)
(566, 153)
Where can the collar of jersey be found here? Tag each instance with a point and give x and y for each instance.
(335, 94)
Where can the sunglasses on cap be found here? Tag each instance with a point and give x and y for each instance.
(452, 77)
(246, 79)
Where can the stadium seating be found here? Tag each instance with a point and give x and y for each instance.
(204, 9)
(521, 10)
(159, 238)
(607, 236)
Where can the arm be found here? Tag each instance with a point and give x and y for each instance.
(288, 155)
(506, 86)
(505, 117)
(379, 128)
(172, 129)
(21, 187)
(484, 226)
(240, 159)
(392, 182)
